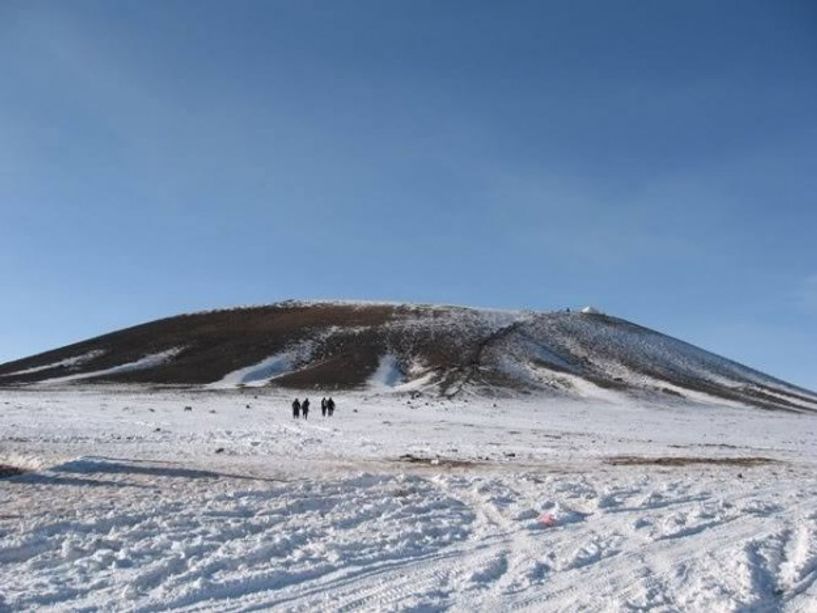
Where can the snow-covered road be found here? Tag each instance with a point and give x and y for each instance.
(134, 503)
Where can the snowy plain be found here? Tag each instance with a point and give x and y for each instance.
(135, 502)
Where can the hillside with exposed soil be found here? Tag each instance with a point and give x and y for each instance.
(442, 350)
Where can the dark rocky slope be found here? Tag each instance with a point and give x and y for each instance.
(447, 350)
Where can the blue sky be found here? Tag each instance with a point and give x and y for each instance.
(656, 159)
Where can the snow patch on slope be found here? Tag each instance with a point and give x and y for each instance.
(76, 360)
(267, 369)
(148, 361)
(258, 374)
(388, 373)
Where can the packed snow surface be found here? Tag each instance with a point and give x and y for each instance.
(219, 500)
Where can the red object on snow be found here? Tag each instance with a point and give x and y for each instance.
(547, 519)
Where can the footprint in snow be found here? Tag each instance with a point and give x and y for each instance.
(490, 572)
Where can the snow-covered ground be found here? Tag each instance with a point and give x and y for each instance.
(133, 502)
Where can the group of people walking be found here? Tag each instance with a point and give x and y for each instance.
(302, 408)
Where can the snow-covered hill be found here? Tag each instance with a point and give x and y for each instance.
(448, 350)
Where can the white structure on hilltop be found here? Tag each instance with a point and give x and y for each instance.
(591, 311)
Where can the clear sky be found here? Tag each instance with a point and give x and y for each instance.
(655, 159)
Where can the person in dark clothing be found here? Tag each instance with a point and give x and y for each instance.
(330, 406)
(305, 407)
(296, 408)
(323, 407)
